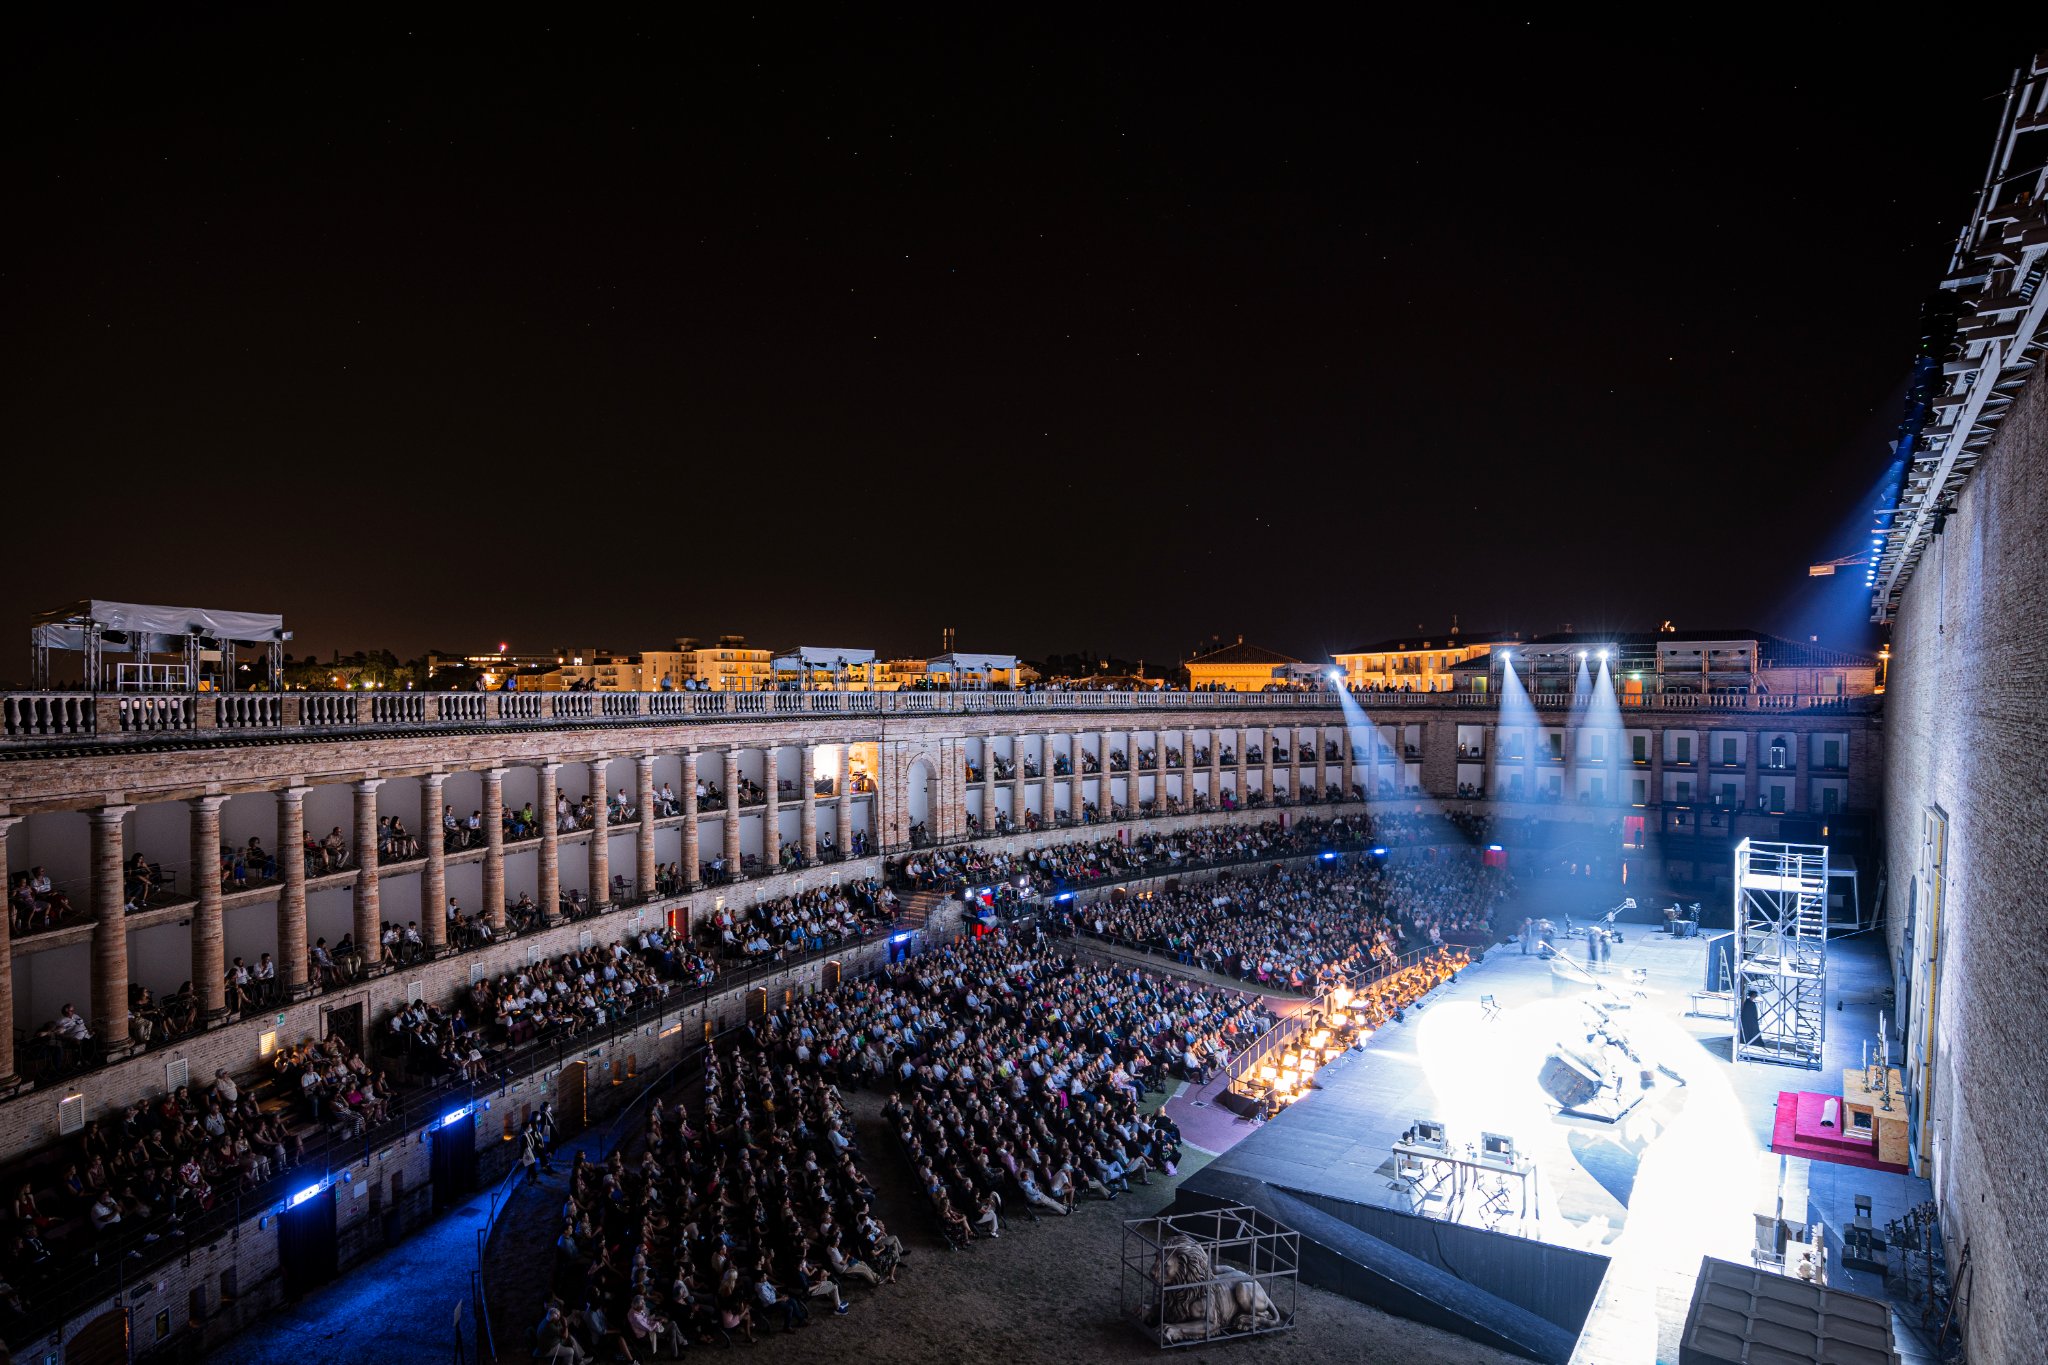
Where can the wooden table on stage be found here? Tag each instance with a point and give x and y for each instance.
(1863, 1113)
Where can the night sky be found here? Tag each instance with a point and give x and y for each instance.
(1063, 335)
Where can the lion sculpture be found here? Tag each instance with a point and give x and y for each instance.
(1234, 1302)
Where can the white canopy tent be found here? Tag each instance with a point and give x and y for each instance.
(808, 662)
(140, 630)
(975, 671)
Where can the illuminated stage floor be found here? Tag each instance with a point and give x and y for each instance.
(1681, 1176)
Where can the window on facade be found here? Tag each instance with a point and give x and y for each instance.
(1597, 789)
(1781, 750)
(1597, 746)
(1831, 753)
(1830, 800)
(1556, 744)
(1685, 748)
(1641, 793)
(1684, 793)
(1641, 747)
(1777, 797)
(1728, 746)
(1727, 793)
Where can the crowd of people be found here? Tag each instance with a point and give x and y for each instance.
(123, 1183)
(751, 1217)
(1079, 862)
(1305, 929)
(815, 918)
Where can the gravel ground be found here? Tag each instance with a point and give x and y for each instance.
(1043, 1291)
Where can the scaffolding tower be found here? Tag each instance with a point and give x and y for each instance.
(1781, 927)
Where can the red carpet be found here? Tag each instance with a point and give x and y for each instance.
(1798, 1132)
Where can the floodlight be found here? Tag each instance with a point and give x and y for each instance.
(1583, 656)
(1603, 656)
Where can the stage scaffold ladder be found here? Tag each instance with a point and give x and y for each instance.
(1781, 922)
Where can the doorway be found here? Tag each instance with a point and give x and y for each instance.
(306, 1245)
(453, 1161)
(571, 1113)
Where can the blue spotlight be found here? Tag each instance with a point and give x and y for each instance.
(903, 937)
(1328, 856)
(1066, 895)
(1380, 852)
(303, 1195)
(1494, 848)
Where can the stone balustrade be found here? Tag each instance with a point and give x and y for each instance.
(61, 715)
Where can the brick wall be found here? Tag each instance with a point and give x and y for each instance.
(1962, 733)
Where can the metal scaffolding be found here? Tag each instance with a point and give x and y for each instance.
(1781, 908)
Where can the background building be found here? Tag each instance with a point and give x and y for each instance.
(1416, 663)
(1235, 668)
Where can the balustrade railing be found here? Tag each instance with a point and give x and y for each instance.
(327, 708)
(151, 714)
(249, 710)
(398, 708)
(35, 714)
(466, 706)
(30, 715)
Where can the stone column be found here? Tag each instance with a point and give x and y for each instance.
(1187, 767)
(1239, 785)
(1322, 764)
(494, 849)
(1294, 764)
(548, 891)
(771, 814)
(369, 927)
(734, 867)
(434, 877)
(1045, 776)
(7, 1076)
(291, 902)
(643, 845)
(1077, 786)
(109, 931)
(600, 851)
(988, 784)
(691, 852)
(1351, 763)
(209, 965)
(807, 823)
(1266, 761)
(1106, 797)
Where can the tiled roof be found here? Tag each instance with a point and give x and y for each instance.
(1241, 653)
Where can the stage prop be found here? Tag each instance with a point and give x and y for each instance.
(1223, 1273)
(1742, 1314)
(1800, 1130)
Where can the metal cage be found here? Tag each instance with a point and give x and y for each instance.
(1240, 1246)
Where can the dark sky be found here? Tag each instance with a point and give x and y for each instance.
(1062, 335)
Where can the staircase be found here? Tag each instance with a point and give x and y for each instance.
(920, 906)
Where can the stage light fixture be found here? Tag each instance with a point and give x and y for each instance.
(1603, 656)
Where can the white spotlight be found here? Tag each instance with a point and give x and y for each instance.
(1582, 655)
(1603, 656)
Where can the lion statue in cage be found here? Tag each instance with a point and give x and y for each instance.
(1196, 1308)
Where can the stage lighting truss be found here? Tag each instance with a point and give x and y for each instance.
(1781, 926)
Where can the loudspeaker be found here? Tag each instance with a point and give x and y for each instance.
(1569, 1080)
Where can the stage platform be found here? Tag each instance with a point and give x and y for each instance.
(1629, 1206)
